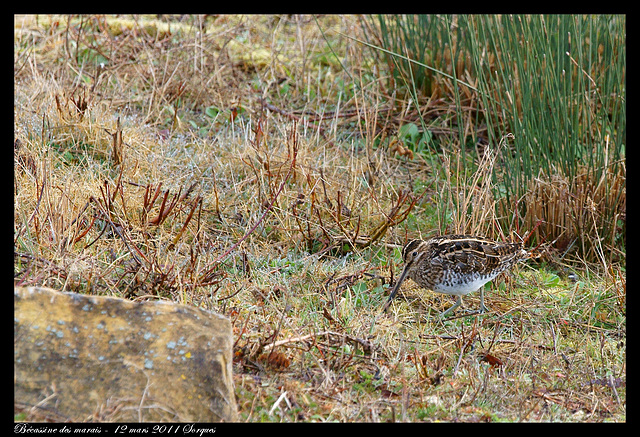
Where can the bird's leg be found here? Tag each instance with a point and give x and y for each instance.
(483, 309)
(456, 305)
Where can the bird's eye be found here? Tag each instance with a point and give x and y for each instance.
(414, 254)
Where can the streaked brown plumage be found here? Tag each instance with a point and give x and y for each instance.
(456, 264)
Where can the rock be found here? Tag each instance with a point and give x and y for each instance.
(92, 358)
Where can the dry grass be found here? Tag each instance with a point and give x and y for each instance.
(243, 171)
(572, 208)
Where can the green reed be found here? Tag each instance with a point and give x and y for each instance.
(558, 84)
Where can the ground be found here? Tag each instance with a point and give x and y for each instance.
(243, 164)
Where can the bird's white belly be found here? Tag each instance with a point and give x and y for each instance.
(460, 288)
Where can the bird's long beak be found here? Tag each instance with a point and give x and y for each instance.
(396, 287)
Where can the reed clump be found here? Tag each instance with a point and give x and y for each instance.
(556, 83)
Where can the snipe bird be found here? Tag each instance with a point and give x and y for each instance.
(456, 265)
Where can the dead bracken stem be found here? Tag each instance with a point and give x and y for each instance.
(294, 154)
